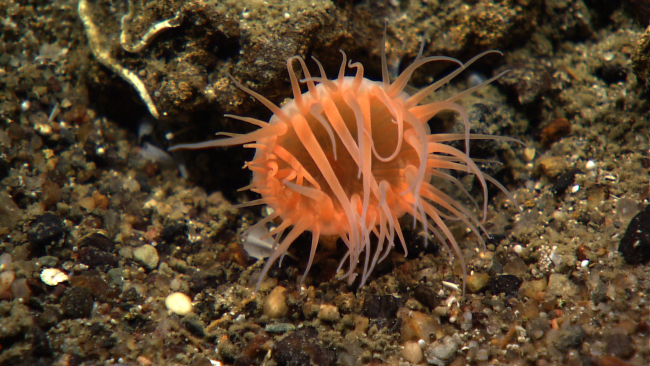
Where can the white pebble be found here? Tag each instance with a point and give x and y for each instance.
(575, 188)
(584, 263)
(518, 249)
(179, 303)
(590, 165)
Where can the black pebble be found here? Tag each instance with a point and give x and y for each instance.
(77, 302)
(508, 284)
(97, 258)
(564, 181)
(303, 348)
(619, 345)
(97, 241)
(381, 306)
(635, 244)
(45, 230)
(40, 343)
(426, 296)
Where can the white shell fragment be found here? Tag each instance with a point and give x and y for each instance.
(179, 303)
(53, 276)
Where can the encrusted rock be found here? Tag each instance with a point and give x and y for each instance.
(442, 351)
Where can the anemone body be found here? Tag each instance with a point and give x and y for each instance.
(350, 156)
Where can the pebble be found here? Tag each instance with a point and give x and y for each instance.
(146, 255)
(303, 348)
(20, 289)
(442, 351)
(635, 244)
(178, 303)
(381, 306)
(560, 285)
(275, 304)
(530, 288)
(45, 230)
(553, 166)
(477, 282)
(6, 279)
(529, 154)
(97, 241)
(507, 284)
(77, 302)
(97, 258)
(564, 181)
(412, 352)
(570, 337)
(416, 325)
(620, 345)
(329, 313)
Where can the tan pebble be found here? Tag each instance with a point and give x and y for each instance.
(100, 200)
(6, 279)
(147, 255)
(310, 310)
(88, 203)
(530, 288)
(20, 289)
(477, 282)
(143, 361)
(553, 166)
(275, 305)
(412, 352)
(329, 312)
(416, 325)
(179, 303)
(529, 154)
(361, 324)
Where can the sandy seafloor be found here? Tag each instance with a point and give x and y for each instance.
(89, 196)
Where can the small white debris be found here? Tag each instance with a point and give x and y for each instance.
(155, 154)
(474, 79)
(518, 249)
(145, 129)
(53, 276)
(287, 16)
(422, 343)
(451, 285)
(590, 165)
(584, 263)
(179, 303)
(25, 105)
(611, 177)
(575, 188)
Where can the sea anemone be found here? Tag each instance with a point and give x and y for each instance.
(350, 156)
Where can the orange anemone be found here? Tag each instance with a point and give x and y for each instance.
(350, 156)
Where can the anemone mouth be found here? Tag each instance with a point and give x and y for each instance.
(350, 156)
